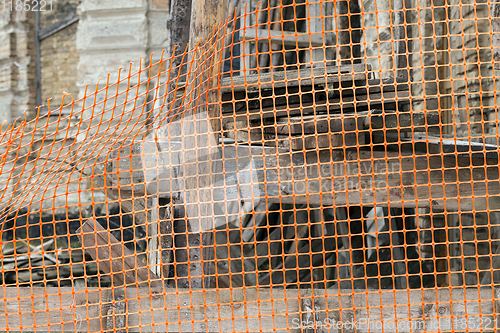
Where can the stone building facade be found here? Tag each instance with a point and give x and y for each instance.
(80, 42)
(107, 35)
(17, 71)
(59, 56)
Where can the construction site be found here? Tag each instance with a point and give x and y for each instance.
(245, 166)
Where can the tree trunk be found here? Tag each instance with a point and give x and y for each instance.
(178, 25)
(201, 129)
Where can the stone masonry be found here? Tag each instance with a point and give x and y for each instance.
(59, 56)
(17, 53)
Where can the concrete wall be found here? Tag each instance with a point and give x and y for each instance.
(459, 62)
(377, 36)
(114, 34)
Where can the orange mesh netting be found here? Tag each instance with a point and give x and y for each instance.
(313, 166)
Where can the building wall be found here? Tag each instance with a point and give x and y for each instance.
(451, 56)
(377, 37)
(16, 66)
(472, 70)
(110, 35)
(59, 57)
(114, 34)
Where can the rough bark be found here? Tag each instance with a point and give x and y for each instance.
(178, 26)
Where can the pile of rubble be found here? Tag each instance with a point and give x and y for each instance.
(32, 254)
(48, 265)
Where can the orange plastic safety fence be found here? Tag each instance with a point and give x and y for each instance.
(313, 166)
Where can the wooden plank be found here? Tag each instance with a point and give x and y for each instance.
(309, 316)
(348, 104)
(438, 145)
(375, 86)
(298, 143)
(152, 232)
(382, 179)
(349, 73)
(311, 124)
(368, 178)
(282, 37)
(130, 200)
(114, 311)
(280, 79)
(238, 130)
(144, 210)
(279, 135)
(266, 48)
(246, 49)
(238, 310)
(422, 143)
(321, 141)
(113, 257)
(315, 26)
(404, 120)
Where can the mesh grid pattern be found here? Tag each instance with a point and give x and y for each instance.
(313, 166)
